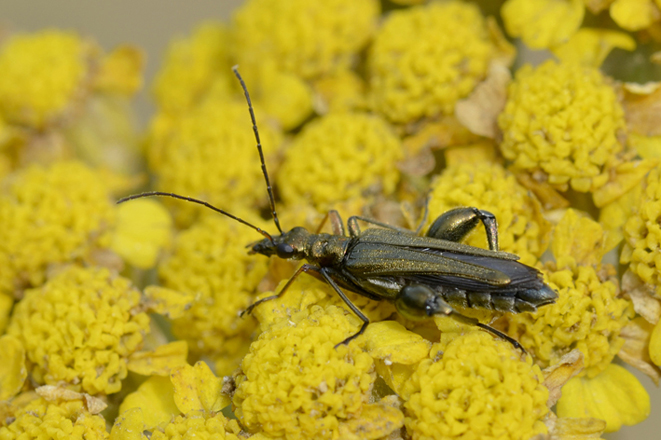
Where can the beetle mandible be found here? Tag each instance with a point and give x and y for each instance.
(423, 276)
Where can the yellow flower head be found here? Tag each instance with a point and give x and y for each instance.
(522, 229)
(192, 65)
(51, 215)
(642, 232)
(341, 91)
(43, 74)
(562, 119)
(295, 383)
(307, 38)
(587, 315)
(210, 261)
(209, 153)
(425, 58)
(338, 157)
(52, 420)
(634, 15)
(80, 328)
(479, 388)
(542, 23)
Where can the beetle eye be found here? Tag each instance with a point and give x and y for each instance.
(284, 250)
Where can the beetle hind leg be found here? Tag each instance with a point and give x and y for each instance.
(455, 224)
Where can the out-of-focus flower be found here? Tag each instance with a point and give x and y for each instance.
(476, 387)
(80, 328)
(340, 91)
(634, 15)
(589, 47)
(563, 121)
(210, 262)
(489, 186)
(588, 313)
(296, 383)
(306, 39)
(615, 395)
(193, 66)
(12, 371)
(55, 419)
(208, 153)
(51, 215)
(338, 157)
(143, 230)
(425, 58)
(542, 23)
(642, 233)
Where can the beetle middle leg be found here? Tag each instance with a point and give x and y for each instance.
(455, 224)
(417, 301)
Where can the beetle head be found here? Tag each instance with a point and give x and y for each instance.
(290, 245)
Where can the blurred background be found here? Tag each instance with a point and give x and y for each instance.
(151, 25)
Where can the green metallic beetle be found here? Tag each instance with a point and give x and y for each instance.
(423, 276)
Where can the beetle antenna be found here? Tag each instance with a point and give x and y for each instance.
(235, 69)
(200, 202)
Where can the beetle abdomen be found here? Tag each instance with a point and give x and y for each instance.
(512, 301)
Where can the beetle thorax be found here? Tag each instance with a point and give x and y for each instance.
(326, 250)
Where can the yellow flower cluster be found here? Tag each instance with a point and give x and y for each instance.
(562, 120)
(522, 228)
(307, 39)
(478, 389)
(208, 153)
(424, 59)
(339, 157)
(643, 234)
(51, 215)
(79, 329)
(58, 419)
(295, 383)
(209, 261)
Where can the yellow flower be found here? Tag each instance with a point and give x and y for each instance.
(209, 153)
(634, 15)
(192, 66)
(295, 383)
(425, 58)
(642, 249)
(338, 157)
(80, 328)
(307, 39)
(562, 120)
(542, 23)
(655, 344)
(210, 261)
(615, 396)
(522, 229)
(590, 47)
(479, 388)
(588, 313)
(43, 75)
(12, 370)
(341, 91)
(143, 230)
(55, 420)
(50, 216)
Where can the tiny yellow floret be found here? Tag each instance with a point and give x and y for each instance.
(339, 157)
(308, 39)
(42, 76)
(479, 389)
(425, 58)
(79, 329)
(563, 120)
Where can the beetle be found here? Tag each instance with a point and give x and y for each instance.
(423, 275)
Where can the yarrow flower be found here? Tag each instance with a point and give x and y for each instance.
(475, 387)
(209, 261)
(340, 156)
(79, 329)
(562, 120)
(425, 58)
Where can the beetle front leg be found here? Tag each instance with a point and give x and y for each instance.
(455, 224)
(418, 301)
(336, 223)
